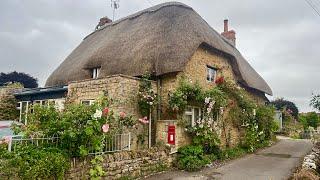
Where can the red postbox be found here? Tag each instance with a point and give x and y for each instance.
(171, 134)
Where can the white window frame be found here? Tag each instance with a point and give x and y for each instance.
(95, 73)
(209, 74)
(192, 114)
(91, 101)
(26, 111)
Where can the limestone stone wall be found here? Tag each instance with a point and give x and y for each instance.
(196, 71)
(196, 68)
(126, 164)
(122, 89)
(181, 138)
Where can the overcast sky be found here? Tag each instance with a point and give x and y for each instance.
(280, 39)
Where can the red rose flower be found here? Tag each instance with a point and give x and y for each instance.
(219, 80)
(105, 111)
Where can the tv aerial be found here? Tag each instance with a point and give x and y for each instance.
(115, 4)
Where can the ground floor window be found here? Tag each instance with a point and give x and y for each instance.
(87, 102)
(24, 107)
(192, 114)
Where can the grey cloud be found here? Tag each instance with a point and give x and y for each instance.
(280, 39)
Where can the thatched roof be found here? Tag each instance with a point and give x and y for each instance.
(158, 40)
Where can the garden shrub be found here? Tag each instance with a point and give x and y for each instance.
(32, 162)
(81, 129)
(191, 158)
(8, 103)
(266, 121)
(232, 153)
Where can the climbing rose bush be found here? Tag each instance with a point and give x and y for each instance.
(81, 129)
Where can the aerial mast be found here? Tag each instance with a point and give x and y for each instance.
(115, 5)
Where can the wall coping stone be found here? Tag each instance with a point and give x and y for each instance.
(107, 77)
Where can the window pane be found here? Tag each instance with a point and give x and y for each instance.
(98, 72)
(44, 103)
(211, 74)
(197, 114)
(85, 102)
(189, 109)
(188, 119)
(23, 111)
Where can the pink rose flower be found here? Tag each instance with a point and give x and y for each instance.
(105, 128)
(122, 114)
(7, 139)
(144, 120)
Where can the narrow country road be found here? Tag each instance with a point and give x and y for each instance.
(273, 163)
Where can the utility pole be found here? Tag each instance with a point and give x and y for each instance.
(115, 5)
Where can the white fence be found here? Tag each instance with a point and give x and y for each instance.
(118, 142)
(37, 141)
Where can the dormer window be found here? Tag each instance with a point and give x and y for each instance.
(95, 73)
(211, 74)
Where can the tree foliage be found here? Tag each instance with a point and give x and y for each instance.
(315, 101)
(289, 106)
(309, 120)
(23, 78)
(8, 109)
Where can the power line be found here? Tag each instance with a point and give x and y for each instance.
(318, 1)
(313, 7)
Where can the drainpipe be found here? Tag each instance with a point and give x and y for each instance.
(159, 82)
(158, 112)
(149, 139)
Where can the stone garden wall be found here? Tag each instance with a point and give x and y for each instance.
(310, 167)
(130, 164)
(124, 92)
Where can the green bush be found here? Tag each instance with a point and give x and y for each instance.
(191, 158)
(266, 121)
(232, 153)
(78, 127)
(32, 162)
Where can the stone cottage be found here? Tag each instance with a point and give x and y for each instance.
(167, 41)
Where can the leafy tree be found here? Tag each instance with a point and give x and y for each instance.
(303, 121)
(8, 103)
(8, 109)
(23, 78)
(309, 119)
(312, 119)
(315, 101)
(289, 106)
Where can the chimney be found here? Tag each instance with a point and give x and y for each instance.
(230, 35)
(103, 21)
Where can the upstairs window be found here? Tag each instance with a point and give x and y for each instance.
(95, 73)
(211, 74)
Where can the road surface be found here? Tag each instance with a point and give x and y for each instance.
(273, 163)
